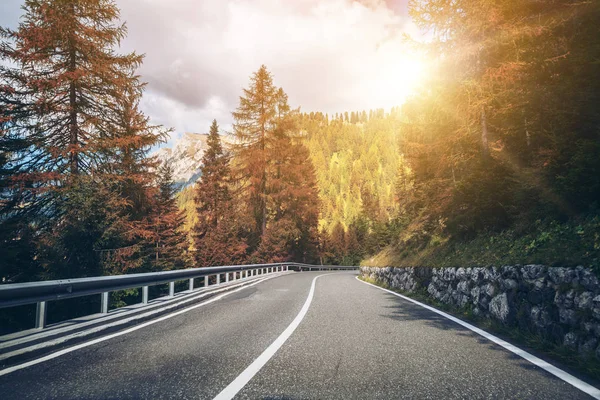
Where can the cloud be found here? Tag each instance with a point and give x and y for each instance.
(328, 55)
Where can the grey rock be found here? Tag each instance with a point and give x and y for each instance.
(570, 340)
(449, 274)
(560, 275)
(475, 294)
(477, 275)
(533, 271)
(509, 284)
(589, 280)
(567, 316)
(490, 274)
(592, 328)
(461, 274)
(565, 300)
(510, 272)
(499, 308)
(463, 300)
(539, 283)
(463, 287)
(584, 300)
(587, 347)
(488, 289)
(540, 317)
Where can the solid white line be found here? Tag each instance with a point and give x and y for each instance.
(559, 373)
(238, 383)
(135, 328)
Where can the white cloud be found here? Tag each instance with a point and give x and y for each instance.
(328, 55)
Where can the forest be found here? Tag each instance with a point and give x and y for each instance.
(494, 159)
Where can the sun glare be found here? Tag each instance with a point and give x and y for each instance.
(396, 77)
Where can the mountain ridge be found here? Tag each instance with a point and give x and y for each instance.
(185, 156)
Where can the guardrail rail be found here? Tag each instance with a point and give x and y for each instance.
(17, 294)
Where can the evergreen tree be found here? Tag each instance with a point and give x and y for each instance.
(218, 238)
(169, 243)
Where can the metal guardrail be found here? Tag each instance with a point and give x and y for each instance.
(40, 293)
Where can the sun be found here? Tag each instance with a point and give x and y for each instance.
(396, 75)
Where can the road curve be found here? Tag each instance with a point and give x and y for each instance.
(355, 341)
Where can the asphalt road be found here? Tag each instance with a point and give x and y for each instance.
(355, 342)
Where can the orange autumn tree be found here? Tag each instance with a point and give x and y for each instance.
(279, 192)
(76, 140)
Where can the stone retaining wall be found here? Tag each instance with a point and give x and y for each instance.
(561, 304)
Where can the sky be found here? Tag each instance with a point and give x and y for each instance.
(328, 55)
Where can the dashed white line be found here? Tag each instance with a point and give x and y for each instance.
(238, 383)
(559, 373)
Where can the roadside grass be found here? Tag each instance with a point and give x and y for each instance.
(588, 367)
(551, 243)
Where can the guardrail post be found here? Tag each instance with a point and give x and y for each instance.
(104, 303)
(218, 279)
(145, 295)
(171, 289)
(191, 284)
(227, 277)
(40, 315)
(205, 281)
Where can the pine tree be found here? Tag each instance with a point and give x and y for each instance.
(169, 243)
(212, 191)
(217, 235)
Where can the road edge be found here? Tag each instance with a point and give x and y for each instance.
(546, 366)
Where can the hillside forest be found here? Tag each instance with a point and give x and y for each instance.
(494, 159)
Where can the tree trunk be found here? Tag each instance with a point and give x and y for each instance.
(73, 134)
(485, 151)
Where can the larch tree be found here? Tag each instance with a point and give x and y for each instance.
(65, 94)
(280, 183)
(254, 123)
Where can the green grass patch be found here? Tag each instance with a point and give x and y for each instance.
(551, 243)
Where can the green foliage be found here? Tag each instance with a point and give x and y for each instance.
(73, 247)
(571, 243)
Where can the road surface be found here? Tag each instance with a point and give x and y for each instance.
(354, 341)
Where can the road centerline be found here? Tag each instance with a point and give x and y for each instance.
(242, 379)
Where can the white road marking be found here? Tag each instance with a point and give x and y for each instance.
(132, 329)
(559, 373)
(238, 383)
